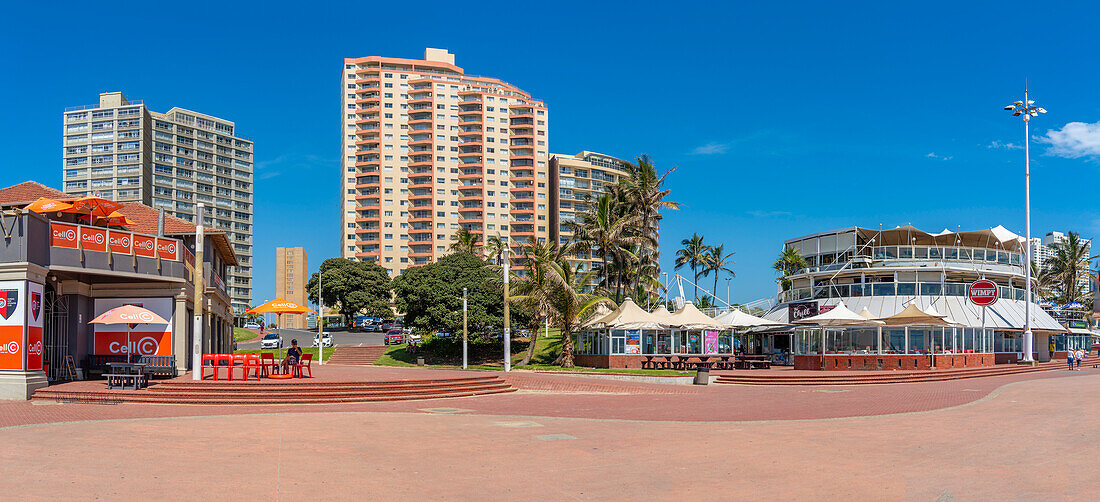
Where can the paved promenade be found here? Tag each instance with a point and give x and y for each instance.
(1025, 437)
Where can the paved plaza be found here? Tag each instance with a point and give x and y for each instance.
(1020, 437)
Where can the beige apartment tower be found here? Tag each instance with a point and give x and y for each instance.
(427, 150)
(291, 279)
(123, 151)
(576, 182)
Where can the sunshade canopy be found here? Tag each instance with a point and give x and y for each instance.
(661, 312)
(912, 315)
(601, 312)
(279, 306)
(630, 316)
(689, 317)
(738, 319)
(115, 219)
(129, 314)
(839, 316)
(44, 205)
(866, 313)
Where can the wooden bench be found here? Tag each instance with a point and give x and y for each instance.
(97, 363)
(159, 365)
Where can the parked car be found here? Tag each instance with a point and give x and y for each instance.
(251, 325)
(413, 338)
(271, 341)
(394, 336)
(442, 333)
(326, 340)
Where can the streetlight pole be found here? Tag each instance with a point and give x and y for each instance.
(465, 336)
(320, 316)
(1027, 109)
(507, 321)
(196, 343)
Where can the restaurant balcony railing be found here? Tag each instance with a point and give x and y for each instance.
(846, 291)
(917, 256)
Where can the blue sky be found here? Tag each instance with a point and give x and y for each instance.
(783, 118)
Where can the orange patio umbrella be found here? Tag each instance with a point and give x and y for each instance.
(95, 206)
(279, 306)
(115, 219)
(131, 316)
(44, 205)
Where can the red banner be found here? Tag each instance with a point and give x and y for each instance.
(168, 249)
(145, 246)
(93, 239)
(11, 347)
(120, 342)
(34, 348)
(119, 242)
(63, 236)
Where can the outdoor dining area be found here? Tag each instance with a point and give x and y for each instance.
(262, 365)
(632, 338)
(914, 338)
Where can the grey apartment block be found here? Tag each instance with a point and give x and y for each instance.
(121, 150)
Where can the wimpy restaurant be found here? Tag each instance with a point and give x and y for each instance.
(58, 271)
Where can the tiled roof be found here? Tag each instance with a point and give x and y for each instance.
(29, 191)
(145, 220)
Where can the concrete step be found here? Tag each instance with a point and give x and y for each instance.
(357, 356)
(874, 377)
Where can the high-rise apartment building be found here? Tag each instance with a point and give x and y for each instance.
(427, 150)
(291, 278)
(576, 182)
(121, 150)
(1043, 250)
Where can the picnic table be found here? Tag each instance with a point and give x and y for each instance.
(754, 361)
(125, 375)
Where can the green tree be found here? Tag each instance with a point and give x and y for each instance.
(569, 305)
(494, 247)
(1069, 267)
(645, 193)
(431, 295)
(465, 241)
(531, 291)
(692, 254)
(353, 287)
(789, 262)
(611, 234)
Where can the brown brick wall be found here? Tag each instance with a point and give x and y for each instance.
(876, 362)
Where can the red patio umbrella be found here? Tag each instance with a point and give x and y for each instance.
(131, 316)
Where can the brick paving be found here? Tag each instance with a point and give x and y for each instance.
(1011, 445)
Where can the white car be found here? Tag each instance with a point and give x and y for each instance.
(271, 341)
(251, 325)
(326, 340)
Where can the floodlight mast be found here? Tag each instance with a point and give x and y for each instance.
(1026, 109)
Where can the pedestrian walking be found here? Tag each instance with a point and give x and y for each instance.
(1079, 355)
(1069, 359)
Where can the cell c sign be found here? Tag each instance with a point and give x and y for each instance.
(982, 292)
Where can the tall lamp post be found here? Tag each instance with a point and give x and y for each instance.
(1027, 109)
(728, 291)
(507, 320)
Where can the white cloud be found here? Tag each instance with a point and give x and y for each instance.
(1074, 140)
(932, 155)
(769, 214)
(1008, 146)
(711, 148)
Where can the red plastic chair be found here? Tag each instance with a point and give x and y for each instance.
(226, 360)
(237, 361)
(296, 369)
(209, 361)
(267, 359)
(252, 362)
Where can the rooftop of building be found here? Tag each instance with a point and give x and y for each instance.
(997, 237)
(145, 218)
(438, 61)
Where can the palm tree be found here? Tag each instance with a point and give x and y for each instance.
(692, 254)
(495, 247)
(464, 241)
(609, 233)
(1044, 282)
(646, 193)
(789, 262)
(570, 305)
(532, 291)
(715, 261)
(1070, 266)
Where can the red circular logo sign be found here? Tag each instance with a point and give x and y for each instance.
(982, 292)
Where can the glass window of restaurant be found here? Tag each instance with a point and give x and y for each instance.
(895, 340)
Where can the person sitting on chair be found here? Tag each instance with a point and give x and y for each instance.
(293, 355)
